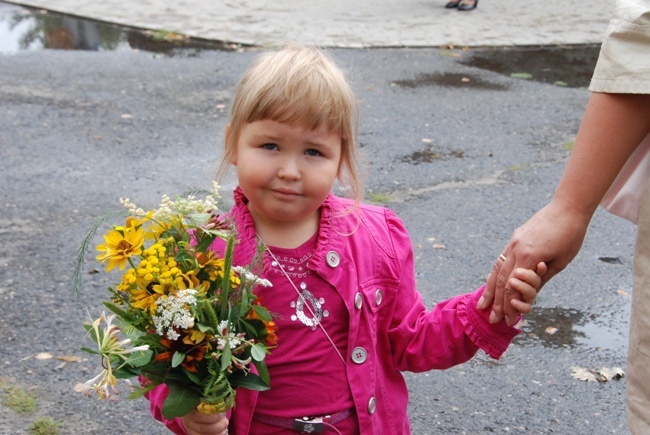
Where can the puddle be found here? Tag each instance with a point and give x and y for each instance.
(562, 328)
(561, 65)
(23, 29)
(450, 80)
(430, 154)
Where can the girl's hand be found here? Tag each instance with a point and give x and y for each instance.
(198, 423)
(527, 283)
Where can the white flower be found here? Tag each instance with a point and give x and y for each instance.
(131, 207)
(108, 346)
(227, 337)
(173, 313)
(251, 277)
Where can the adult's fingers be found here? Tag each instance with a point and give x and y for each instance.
(496, 284)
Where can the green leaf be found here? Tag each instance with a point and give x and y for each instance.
(126, 372)
(226, 356)
(177, 359)
(204, 242)
(250, 381)
(262, 371)
(262, 313)
(258, 352)
(94, 352)
(93, 335)
(139, 358)
(521, 75)
(179, 402)
(198, 219)
(192, 377)
(137, 392)
(206, 329)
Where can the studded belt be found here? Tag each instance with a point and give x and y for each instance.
(305, 424)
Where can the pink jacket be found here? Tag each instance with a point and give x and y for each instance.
(367, 255)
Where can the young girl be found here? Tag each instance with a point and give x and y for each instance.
(349, 316)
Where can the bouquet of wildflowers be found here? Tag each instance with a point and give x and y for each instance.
(188, 318)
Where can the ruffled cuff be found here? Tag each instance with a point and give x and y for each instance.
(493, 339)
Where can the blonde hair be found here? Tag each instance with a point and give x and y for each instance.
(299, 86)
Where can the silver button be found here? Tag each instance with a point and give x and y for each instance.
(378, 297)
(333, 259)
(359, 355)
(358, 301)
(372, 405)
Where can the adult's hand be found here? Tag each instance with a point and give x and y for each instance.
(553, 235)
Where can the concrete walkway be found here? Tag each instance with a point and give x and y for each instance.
(358, 23)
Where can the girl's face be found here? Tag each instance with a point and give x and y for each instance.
(286, 171)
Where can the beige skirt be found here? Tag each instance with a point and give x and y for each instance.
(638, 364)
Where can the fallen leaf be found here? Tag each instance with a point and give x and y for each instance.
(426, 140)
(582, 374)
(602, 375)
(44, 355)
(551, 330)
(221, 106)
(614, 373)
(127, 116)
(465, 79)
(621, 292)
(439, 246)
(69, 358)
(521, 75)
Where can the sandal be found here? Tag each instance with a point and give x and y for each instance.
(466, 5)
(452, 4)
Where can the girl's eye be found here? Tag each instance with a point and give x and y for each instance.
(270, 146)
(312, 152)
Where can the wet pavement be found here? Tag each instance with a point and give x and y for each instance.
(23, 28)
(364, 23)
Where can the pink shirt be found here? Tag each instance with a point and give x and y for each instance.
(299, 379)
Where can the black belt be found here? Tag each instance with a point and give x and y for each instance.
(305, 424)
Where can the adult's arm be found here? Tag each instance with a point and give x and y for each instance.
(612, 127)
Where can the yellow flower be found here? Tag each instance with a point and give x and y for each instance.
(121, 243)
(143, 299)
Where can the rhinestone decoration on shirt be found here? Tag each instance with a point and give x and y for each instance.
(294, 267)
(316, 307)
(297, 268)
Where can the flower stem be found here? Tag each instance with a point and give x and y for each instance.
(225, 285)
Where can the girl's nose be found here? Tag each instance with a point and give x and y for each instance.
(289, 169)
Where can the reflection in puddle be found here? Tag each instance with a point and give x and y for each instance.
(557, 327)
(450, 80)
(24, 28)
(561, 65)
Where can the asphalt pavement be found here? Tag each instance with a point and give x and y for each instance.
(462, 151)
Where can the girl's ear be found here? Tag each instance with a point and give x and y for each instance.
(230, 146)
